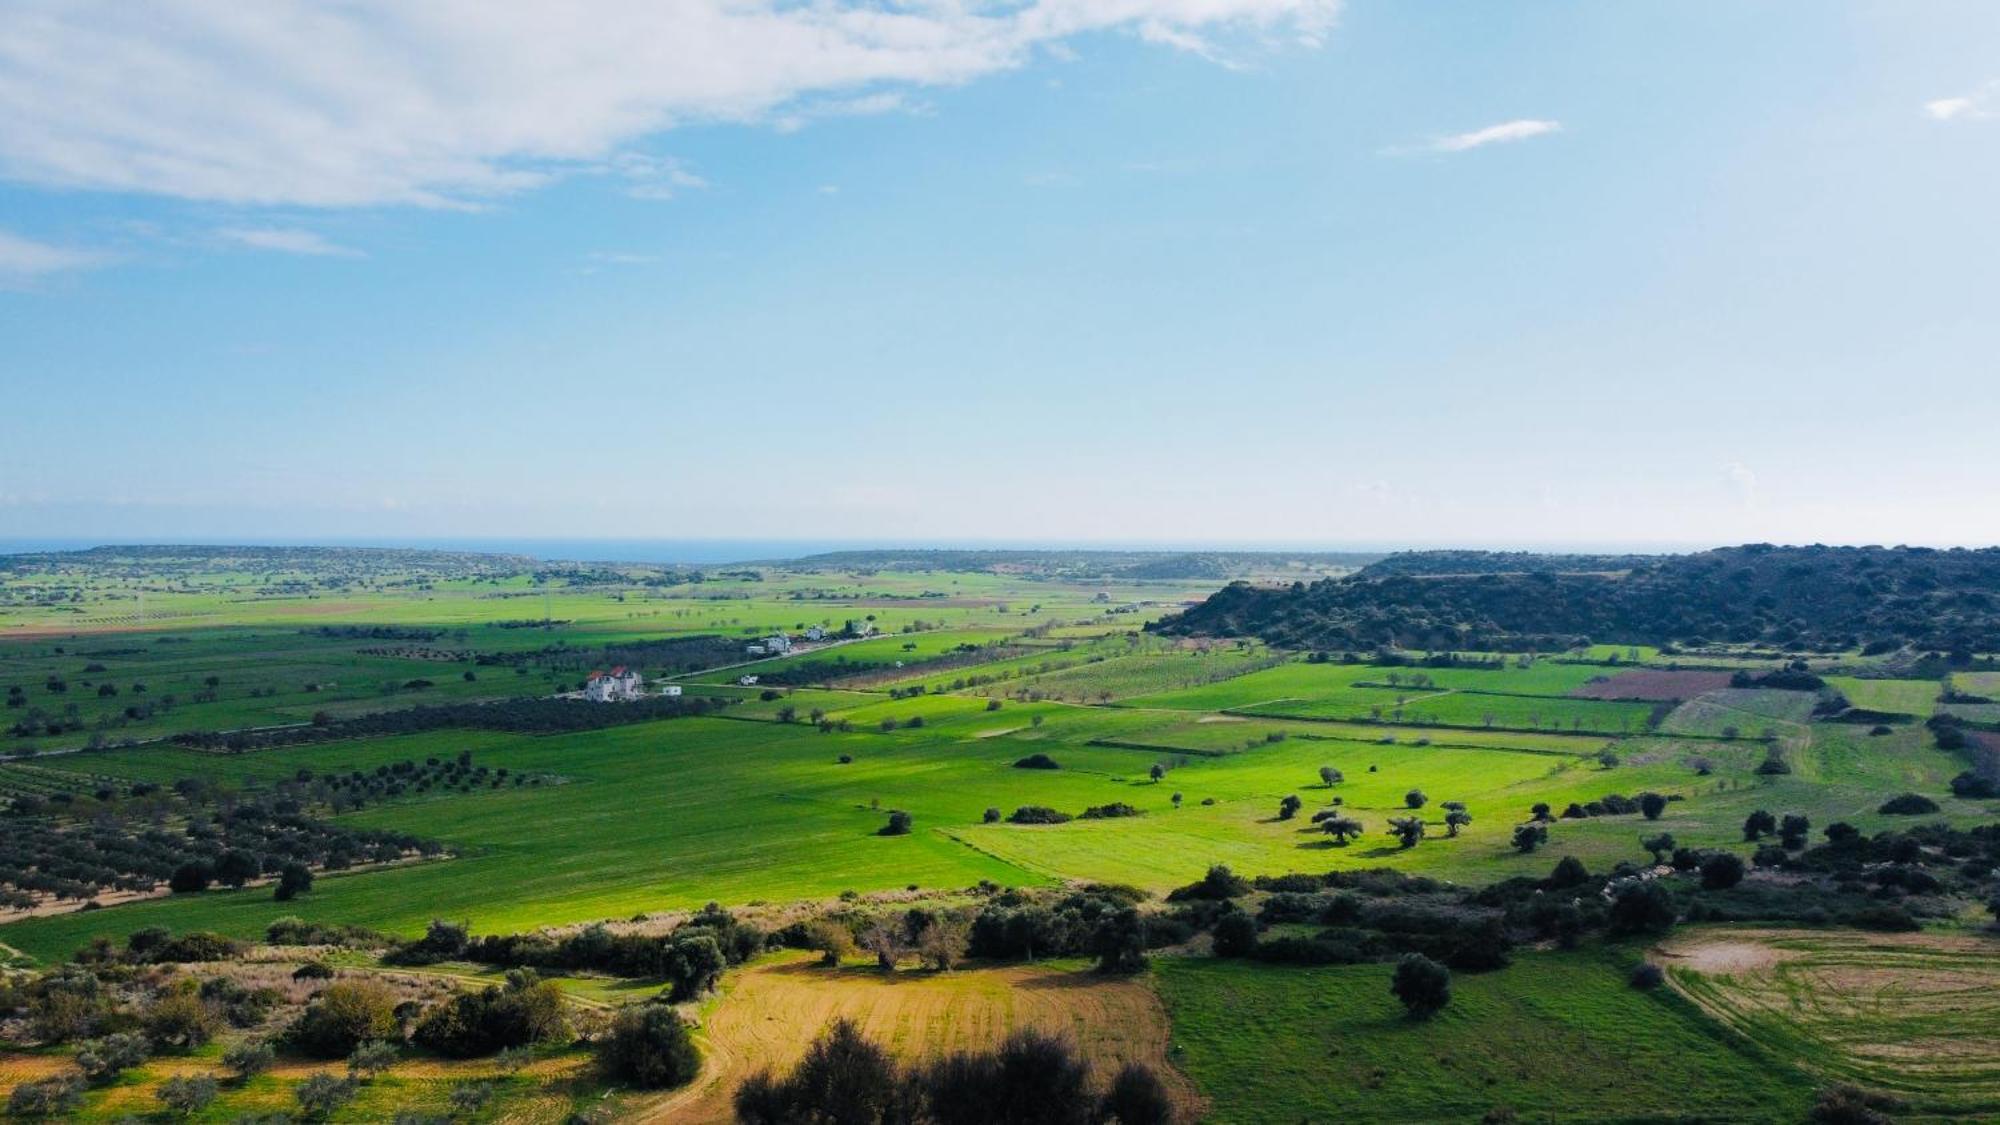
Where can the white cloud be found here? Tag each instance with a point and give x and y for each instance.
(287, 240)
(451, 102)
(1981, 103)
(24, 258)
(1742, 480)
(1506, 131)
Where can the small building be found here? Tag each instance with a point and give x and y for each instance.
(815, 633)
(754, 649)
(747, 681)
(777, 643)
(619, 685)
(670, 691)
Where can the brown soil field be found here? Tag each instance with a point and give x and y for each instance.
(768, 1016)
(1653, 684)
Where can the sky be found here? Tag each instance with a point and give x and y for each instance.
(1218, 271)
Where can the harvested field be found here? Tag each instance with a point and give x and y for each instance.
(1652, 684)
(769, 1014)
(1916, 1014)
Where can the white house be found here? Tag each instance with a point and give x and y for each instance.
(747, 681)
(777, 643)
(616, 686)
(753, 650)
(815, 633)
(671, 691)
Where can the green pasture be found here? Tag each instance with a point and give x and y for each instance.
(1898, 697)
(1555, 1036)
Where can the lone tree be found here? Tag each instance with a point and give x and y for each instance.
(295, 880)
(1157, 772)
(1528, 837)
(1423, 985)
(1792, 831)
(1757, 824)
(1330, 777)
(1342, 828)
(1407, 830)
(899, 824)
(1289, 807)
(1661, 845)
(1455, 817)
(1415, 799)
(1541, 812)
(1652, 804)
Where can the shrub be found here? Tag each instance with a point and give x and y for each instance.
(370, 1059)
(60, 1096)
(1646, 976)
(842, 1078)
(180, 1020)
(250, 1057)
(199, 945)
(1848, 1105)
(1908, 804)
(313, 970)
(1423, 985)
(1721, 871)
(1642, 907)
(1235, 935)
(649, 1047)
(346, 1015)
(1219, 883)
(321, 1095)
(103, 1060)
(1036, 762)
(296, 879)
(1038, 814)
(1652, 805)
(1528, 837)
(528, 1010)
(1289, 807)
(899, 824)
(1415, 799)
(1569, 872)
(1137, 1097)
(190, 878)
(1109, 812)
(992, 816)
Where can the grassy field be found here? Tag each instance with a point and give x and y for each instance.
(742, 807)
(767, 1015)
(1553, 1037)
(1917, 1015)
(1900, 697)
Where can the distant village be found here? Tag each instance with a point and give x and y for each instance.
(625, 685)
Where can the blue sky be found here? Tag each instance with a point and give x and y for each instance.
(1142, 270)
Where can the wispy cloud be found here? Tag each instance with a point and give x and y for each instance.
(1981, 103)
(622, 258)
(24, 259)
(1741, 480)
(451, 103)
(1506, 132)
(287, 240)
(653, 177)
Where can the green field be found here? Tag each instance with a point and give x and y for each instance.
(751, 806)
(1899, 697)
(1552, 1037)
